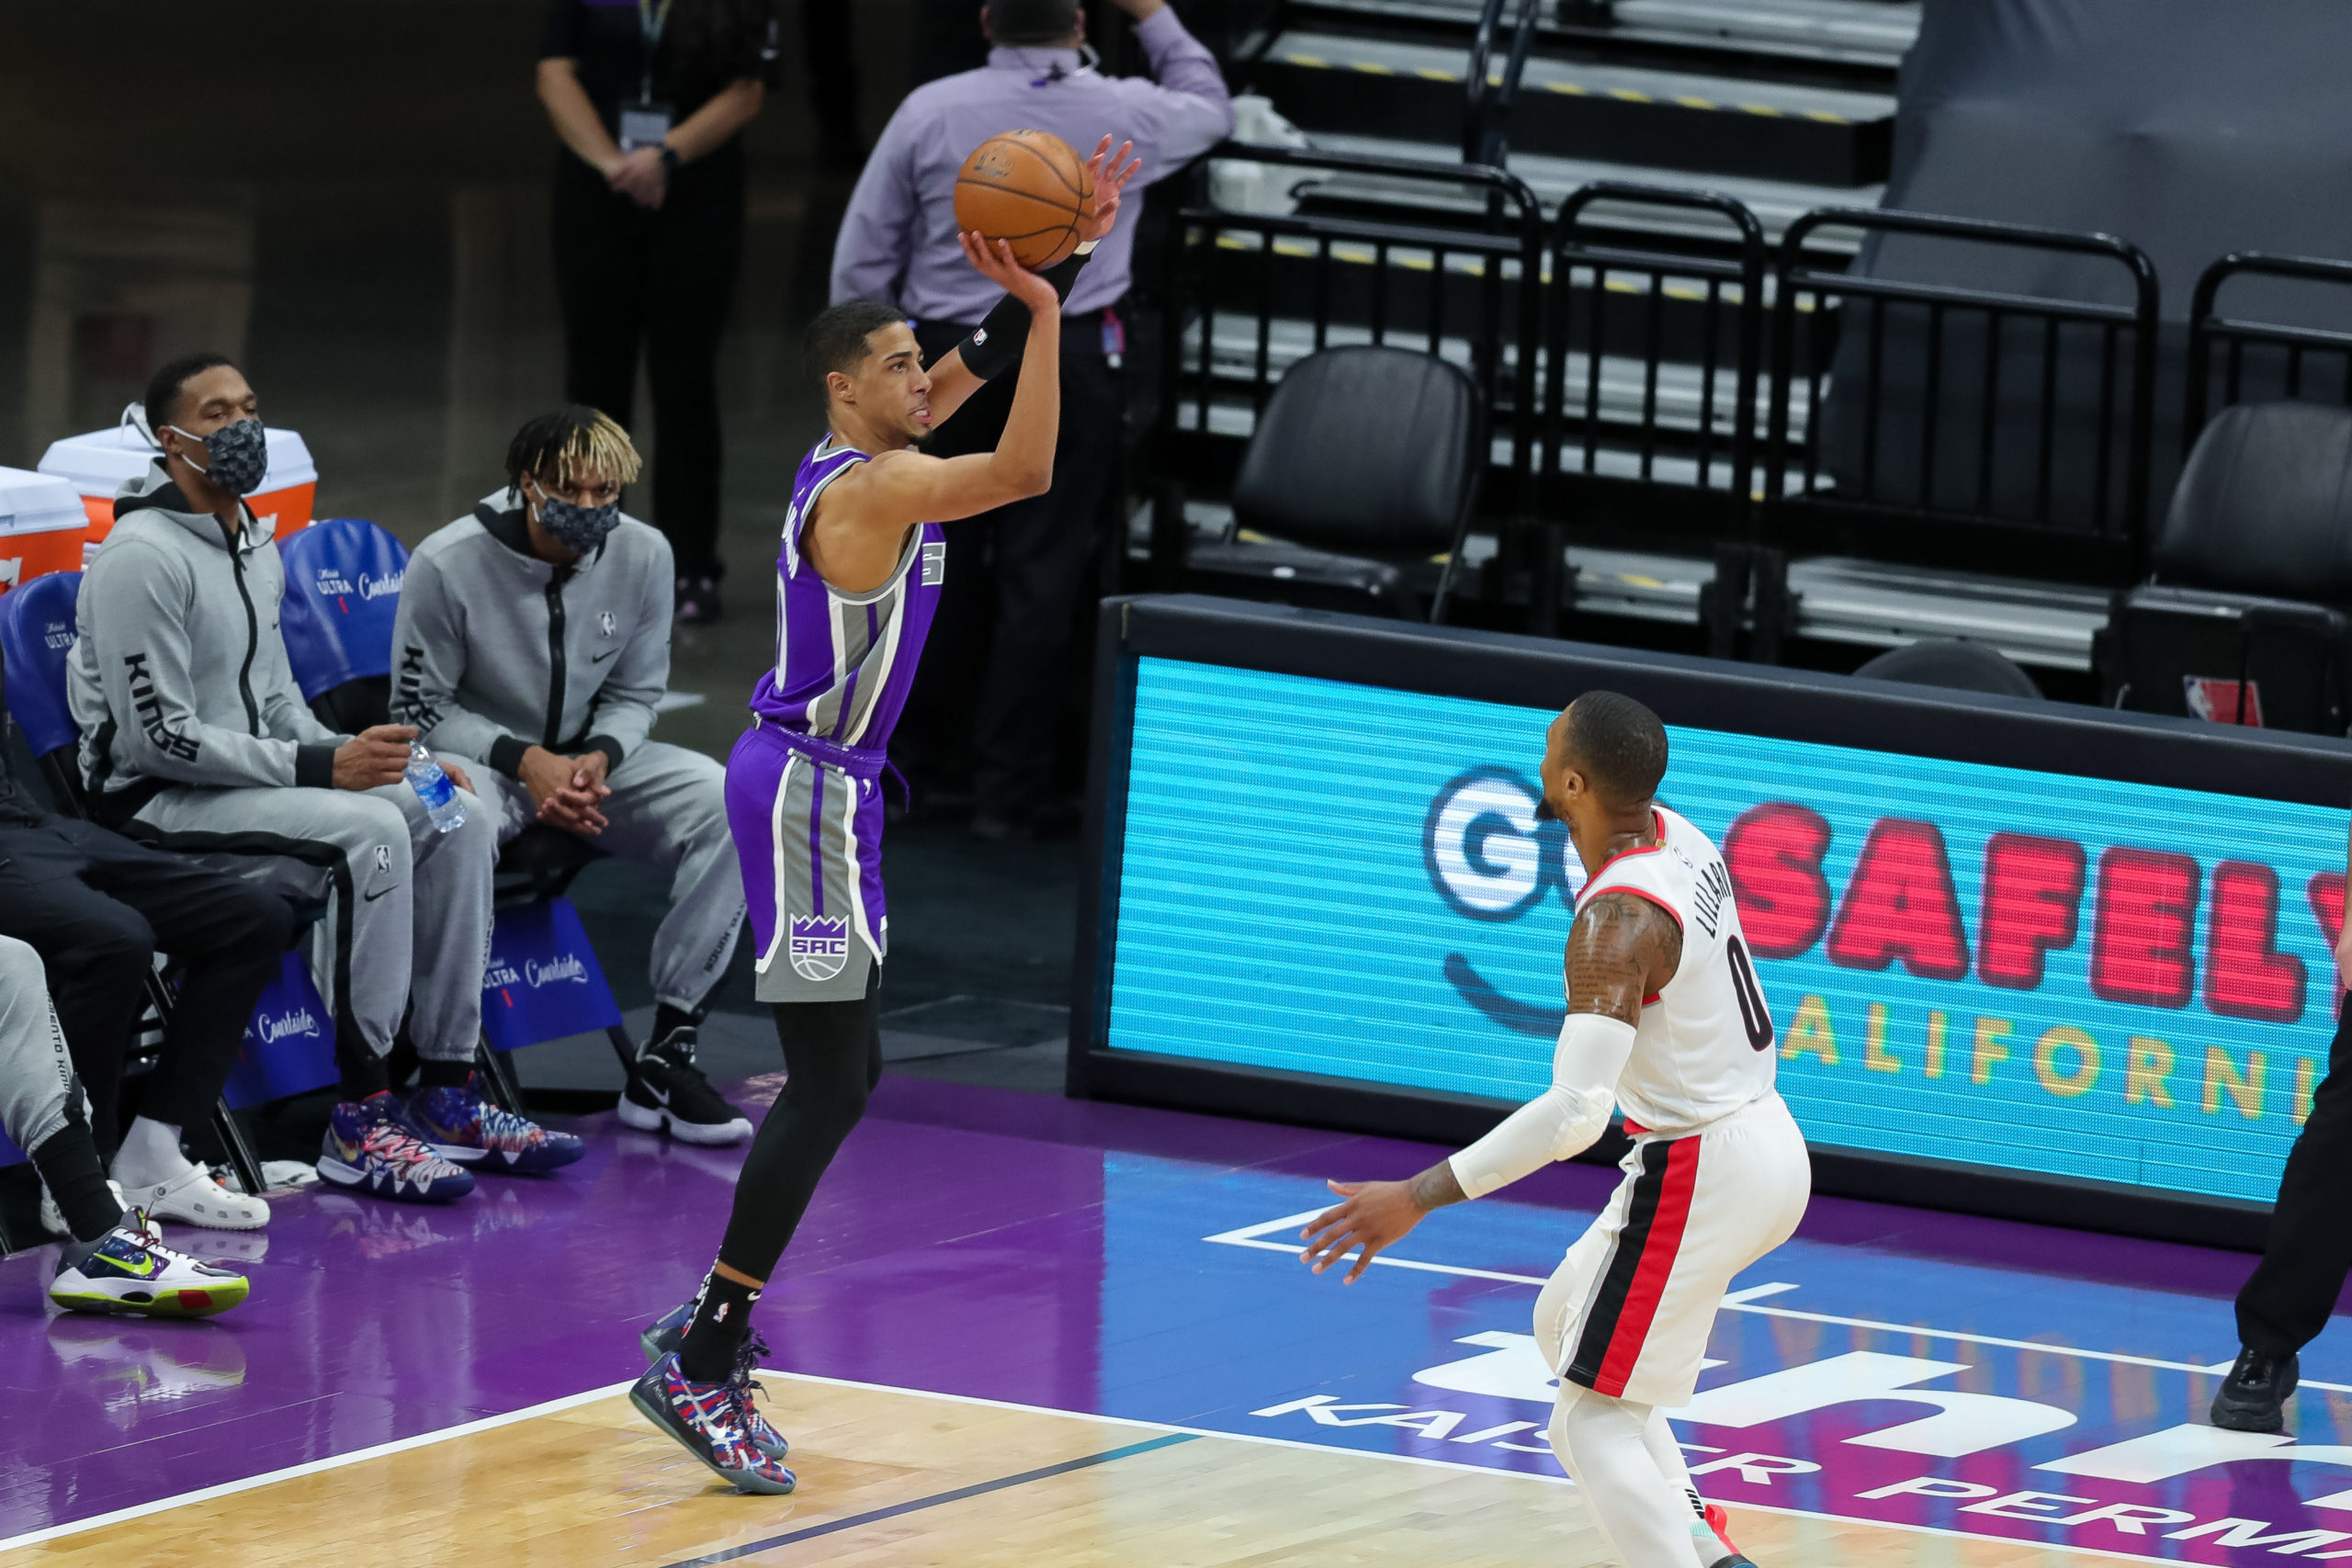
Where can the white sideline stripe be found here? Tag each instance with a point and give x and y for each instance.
(425, 1439)
(1742, 1301)
(312, 1467)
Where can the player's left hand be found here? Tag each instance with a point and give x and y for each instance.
(1108, 173)
(1375, 1216)
(456, 774)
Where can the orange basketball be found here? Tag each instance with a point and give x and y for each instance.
(1028, 187)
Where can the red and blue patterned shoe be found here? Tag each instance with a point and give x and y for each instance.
(370, 1147)
(705, 1419)
(468, 1130)
(666, 1332)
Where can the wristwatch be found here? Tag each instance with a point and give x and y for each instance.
(668, 160)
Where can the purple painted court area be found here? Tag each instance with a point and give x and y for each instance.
(1111, 1259)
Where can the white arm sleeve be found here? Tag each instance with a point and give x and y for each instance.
(1564, 1120)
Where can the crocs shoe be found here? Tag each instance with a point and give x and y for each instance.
(466, 1128)
(370, 1147)
(703, 1418)
(193, 1198)
(129, 1271)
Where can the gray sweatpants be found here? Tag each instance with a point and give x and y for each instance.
(668, 810)
(36, 1080)
(408, 908)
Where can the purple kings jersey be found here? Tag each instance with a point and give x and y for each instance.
(843, 662)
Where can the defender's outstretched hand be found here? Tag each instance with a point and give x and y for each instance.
(992, 259)
(1108, 173)
(1375, 1216)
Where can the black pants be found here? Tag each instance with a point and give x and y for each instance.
(96, 906)
(833, 1058)
(1003, 662)
(2304, 1267)
(663, 277)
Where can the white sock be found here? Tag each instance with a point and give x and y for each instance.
(1644, 1512)
(150, 1153)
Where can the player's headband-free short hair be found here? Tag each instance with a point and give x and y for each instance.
(164, 388)
(1031, 21)
(569, 443)
(1618, 746)
(836, 338)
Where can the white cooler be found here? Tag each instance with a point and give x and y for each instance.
(41, 524)
(97, 463)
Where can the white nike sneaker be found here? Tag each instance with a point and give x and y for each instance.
(193, 1198)
(52, 1218)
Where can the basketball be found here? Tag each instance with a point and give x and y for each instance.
(1029, 188)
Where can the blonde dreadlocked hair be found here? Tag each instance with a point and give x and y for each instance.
(573, 441)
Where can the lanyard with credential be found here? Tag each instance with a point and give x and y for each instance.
(650, 22)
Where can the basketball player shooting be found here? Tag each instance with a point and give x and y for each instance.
(857, 582)
(1665, 1018)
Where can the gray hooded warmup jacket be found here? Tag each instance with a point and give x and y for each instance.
(498, 651)
(180, 675)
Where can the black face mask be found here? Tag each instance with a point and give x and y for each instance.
(236, 455)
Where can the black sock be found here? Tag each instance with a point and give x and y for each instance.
(68, 1163)
(722, 1316)
(362, 1070)
(667, 1018)
(443, 1074)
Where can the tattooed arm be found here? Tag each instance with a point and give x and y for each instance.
(1619, 949)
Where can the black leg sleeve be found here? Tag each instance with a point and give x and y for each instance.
(2287, 1302)
(832, 1057)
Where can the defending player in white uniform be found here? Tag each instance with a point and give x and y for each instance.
(1665, 1019)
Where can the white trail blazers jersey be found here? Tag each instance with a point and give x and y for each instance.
(1703, 1048)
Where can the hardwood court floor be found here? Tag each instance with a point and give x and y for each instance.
(905, 1478)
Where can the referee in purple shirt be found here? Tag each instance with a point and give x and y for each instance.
(1017, 578)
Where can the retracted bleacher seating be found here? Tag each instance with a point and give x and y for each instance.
(2244, 621)
(1363, 465)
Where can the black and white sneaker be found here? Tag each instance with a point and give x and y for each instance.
(667, 1093)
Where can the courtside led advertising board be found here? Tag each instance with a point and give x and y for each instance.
(2028, 972)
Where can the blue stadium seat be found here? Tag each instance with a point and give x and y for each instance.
(36, 639)
(342, 584)
(342, 592)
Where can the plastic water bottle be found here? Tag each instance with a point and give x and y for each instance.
(434, 788)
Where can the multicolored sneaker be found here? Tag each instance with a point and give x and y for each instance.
(372, 1148)
(465, 1128)
(665, 1334)
(668, 1093)
(704, 1419)
(129, 1271)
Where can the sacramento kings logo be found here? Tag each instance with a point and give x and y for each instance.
(819, 947)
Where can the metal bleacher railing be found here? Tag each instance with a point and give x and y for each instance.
(1994, 370)
(1245, 295)
(1707, 393)
(1660, 348)
(2281, 352)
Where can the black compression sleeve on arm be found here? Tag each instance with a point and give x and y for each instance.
(995, 347)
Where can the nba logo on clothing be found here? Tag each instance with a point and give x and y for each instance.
(607, 622)
(934, 563)
(819, 946)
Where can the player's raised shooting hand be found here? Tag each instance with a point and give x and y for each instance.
(1108, 174)
(1375, 1216)
(992, 259)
